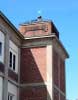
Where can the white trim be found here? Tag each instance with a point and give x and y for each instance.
(34, 84)
(38, 37)
(49, 73)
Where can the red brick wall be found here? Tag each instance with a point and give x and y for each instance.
(33, 70)
(58, 75)
(36, 29)
(62, 75)
(55, 68)
(33, 65)
(55, 94)
(62, 97)
(33, 93)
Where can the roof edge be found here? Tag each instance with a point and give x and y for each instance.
(53, 36)
(67, 55)
(11, 25)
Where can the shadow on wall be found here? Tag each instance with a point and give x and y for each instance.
(1, 67)
(32, 73)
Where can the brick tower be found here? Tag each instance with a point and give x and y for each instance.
(42, 69)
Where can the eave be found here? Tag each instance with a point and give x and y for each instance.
(11, 25)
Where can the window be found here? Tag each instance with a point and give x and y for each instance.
(0, 48)
(10, 96)
(13, 56)
(12, 60)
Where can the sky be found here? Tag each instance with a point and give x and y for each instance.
(64, 14)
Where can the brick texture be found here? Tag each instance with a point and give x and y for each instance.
(36, 29)
(33, 93)
(33, 65)
(58, 74)
(62, 97)
(55, 94)
(55, 68)
(62, 75)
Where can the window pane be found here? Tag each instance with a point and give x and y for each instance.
(10, 97)
(14, 61)
(0, 48)
(10, 59)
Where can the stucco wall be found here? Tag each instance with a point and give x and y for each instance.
(13, 90)
(1, 87)
(2, 41)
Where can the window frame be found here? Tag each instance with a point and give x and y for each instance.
(13, 47)
(10, 96)
(0, 48)
(10, 59)
(13, 60)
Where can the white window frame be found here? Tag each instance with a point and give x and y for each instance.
(10, 96)
(13, 65)
(12, 60)
(14, 49)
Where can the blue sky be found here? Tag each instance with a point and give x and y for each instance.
(64, 13)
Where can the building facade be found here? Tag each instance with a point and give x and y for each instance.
(32, 61)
